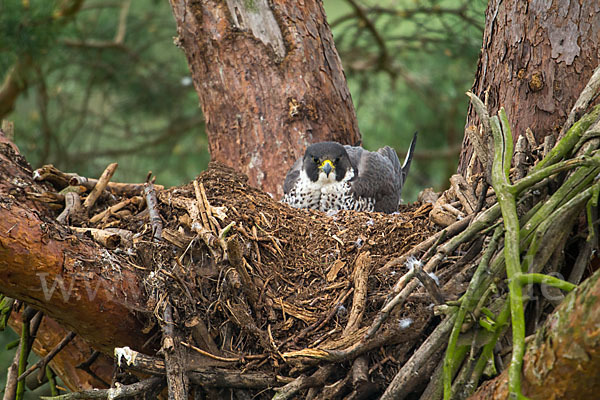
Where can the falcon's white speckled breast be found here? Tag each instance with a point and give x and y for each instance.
(326, 194)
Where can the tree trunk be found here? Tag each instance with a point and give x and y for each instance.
(270, 82)
(536, 58)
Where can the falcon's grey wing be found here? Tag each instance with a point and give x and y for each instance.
(377, 178)
(400, 170)
(380, 175)
(292, 176)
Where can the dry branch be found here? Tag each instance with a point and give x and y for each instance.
(150, 387)
(100, 186)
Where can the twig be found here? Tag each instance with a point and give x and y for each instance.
(360, 372)
(398, 299)
(464, 192)
(152, 204)
(552, 231)
(43, 361)
(528, 279)
(12, 373)
(6, 308)
(570, 139)
(585, 252)
(319, 324)
(150, 385)
(236, 259)
(484, 194)
(435, 387)
(488, 350)
(211, 377)
(137, 201)
(108, 239)
(31, 322)
(479, 145)
(589, 92)
(304, 382)
(215, 377)
(361, 275)
(72, 206)
(100, 186)
(484, 147)
(503, 152)
(85, 365)
(433, 343)
(201, 207)
(521, 165)
(207, 354)
(118, 188)
(56, 177)
(177, 379)
(470, 300)
(449, 231)
(51, 381)
(430, 285)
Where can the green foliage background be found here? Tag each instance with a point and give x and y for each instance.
(89, 101)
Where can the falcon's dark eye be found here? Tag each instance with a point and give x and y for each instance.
(337, 160)
(316, 160)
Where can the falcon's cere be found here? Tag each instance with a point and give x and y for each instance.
(331, 176)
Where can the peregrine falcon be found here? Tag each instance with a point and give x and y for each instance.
(331, 176)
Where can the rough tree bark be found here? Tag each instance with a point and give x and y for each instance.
(269, 79)
(535, 59)
(70, 279)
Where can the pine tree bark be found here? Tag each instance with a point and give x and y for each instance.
(270, 82)
(44, 265)
(536, 58)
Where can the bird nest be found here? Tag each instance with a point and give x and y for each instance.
(242, 282)
(248, 283)
(249, 276)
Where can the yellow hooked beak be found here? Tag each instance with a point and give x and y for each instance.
(327, 167)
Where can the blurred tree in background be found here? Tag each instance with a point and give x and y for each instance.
(93, 82)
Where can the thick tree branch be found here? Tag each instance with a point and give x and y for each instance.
(72, 281)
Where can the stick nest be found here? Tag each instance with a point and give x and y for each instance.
(258, 285)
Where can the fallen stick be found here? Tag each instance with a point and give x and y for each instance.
(108, 239)
(72, 205)
(100, 186)
(137, 201)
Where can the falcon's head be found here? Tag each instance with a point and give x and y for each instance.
(327, 162)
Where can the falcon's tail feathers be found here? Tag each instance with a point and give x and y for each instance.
(408, 159)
